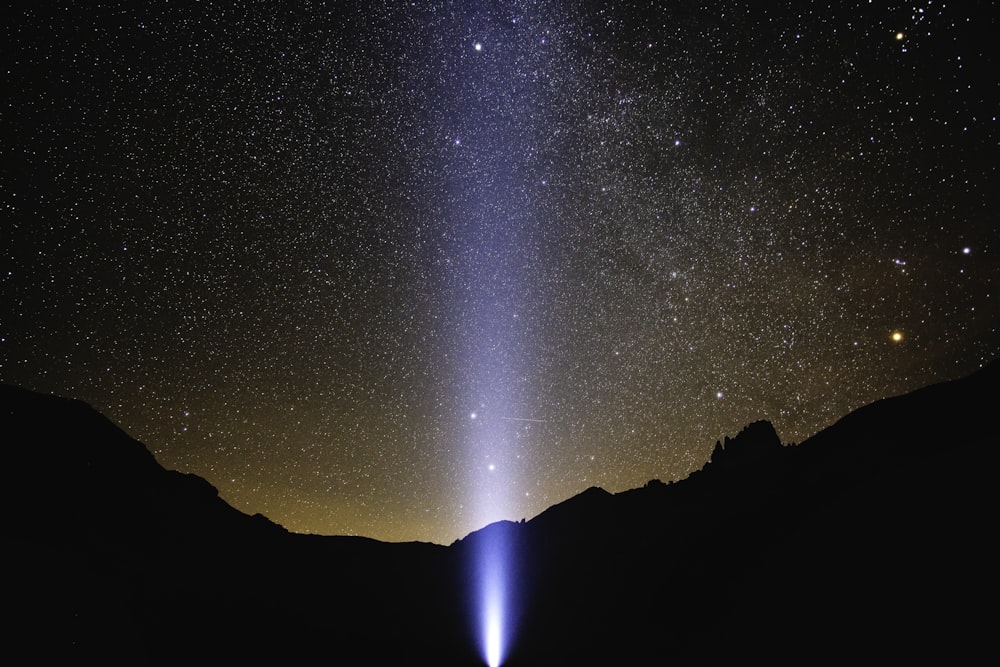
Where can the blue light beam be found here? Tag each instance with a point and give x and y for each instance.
(493, 552)
(496, 242)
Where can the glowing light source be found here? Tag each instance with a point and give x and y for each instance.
(493, 555)
(897, 336)
(493, 639)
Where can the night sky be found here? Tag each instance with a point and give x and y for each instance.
(398, 269)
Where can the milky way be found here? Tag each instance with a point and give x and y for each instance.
(356, 263)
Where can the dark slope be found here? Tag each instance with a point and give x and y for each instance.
(116, 559)
(869, 540)
(85, 479)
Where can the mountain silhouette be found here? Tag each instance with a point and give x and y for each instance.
(868, 541)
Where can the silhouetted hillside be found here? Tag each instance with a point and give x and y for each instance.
(119, 560)
(869, 541)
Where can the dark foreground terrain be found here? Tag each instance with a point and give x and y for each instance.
(871, 541)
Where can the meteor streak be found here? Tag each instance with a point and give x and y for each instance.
(525, 419)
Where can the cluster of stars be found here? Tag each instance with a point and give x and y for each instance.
(352, 263)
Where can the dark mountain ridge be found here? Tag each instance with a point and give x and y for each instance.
(868, 540)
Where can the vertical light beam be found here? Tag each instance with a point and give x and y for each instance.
(495, 240)
(493, 632)
(492, 552)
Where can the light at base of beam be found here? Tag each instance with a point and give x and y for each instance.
(494, 635)
(493, 640)
(493, 625)
(493, 554)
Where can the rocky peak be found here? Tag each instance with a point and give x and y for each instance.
(755, 440)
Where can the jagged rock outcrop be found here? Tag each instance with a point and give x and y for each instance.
(756, 440)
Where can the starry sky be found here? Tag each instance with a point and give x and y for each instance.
(397, 269)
